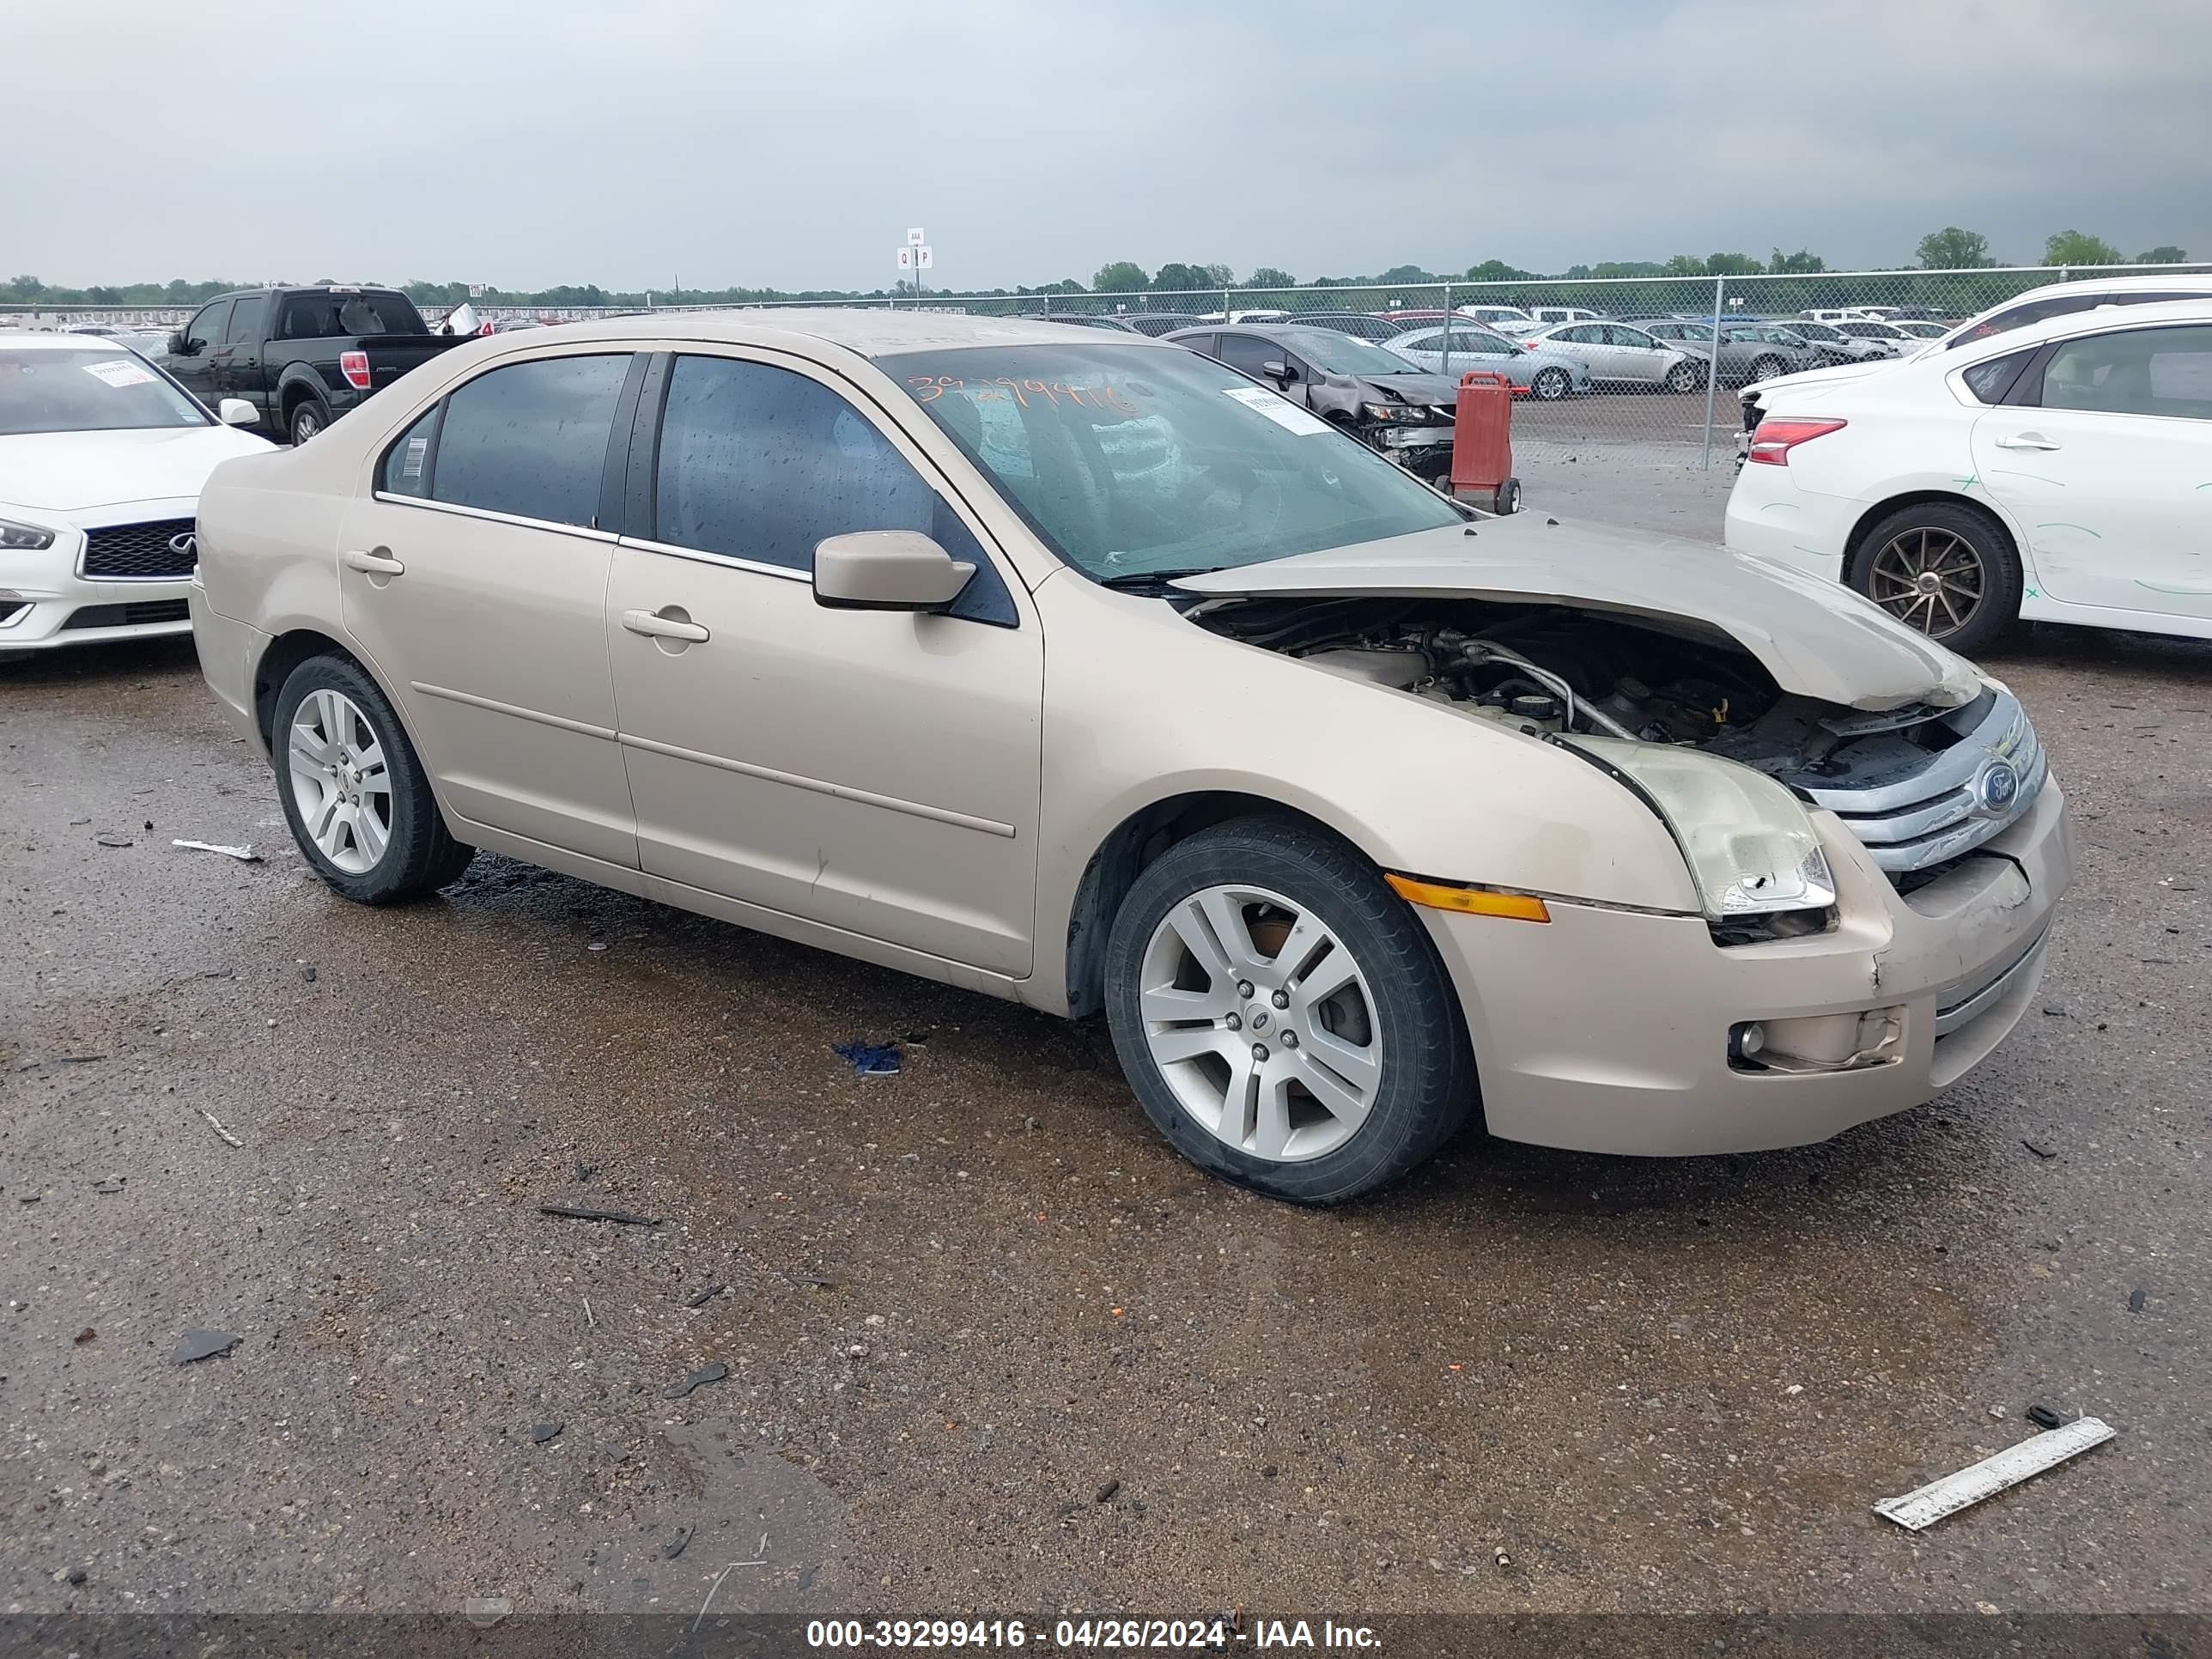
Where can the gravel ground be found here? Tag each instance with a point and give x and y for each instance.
(984, 1341)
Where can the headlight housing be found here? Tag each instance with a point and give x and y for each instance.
(1413, 413)
(1749, 841)
(17, 537)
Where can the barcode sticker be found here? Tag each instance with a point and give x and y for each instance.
(1281, 410)
(120, 372)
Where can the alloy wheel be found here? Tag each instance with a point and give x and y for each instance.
(1262, 1022)
(340, 781)
(1931, 579)
(1550, 384)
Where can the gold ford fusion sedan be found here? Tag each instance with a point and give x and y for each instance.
(1084, 672)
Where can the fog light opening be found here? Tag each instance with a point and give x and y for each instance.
(1747, 1042)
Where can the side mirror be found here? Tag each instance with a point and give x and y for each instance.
(179, 346)
(1275, 371)
(236, 411)
(886, 570)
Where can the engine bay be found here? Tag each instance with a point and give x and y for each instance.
(1547, 670)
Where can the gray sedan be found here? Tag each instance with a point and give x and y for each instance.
(1749, 351)
(1547, 376)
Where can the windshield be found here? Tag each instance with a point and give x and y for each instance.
(1342, 354)
(1131, 461)
(99, 389)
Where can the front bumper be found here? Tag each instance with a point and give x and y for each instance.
(1607, 1030)
(46, 604)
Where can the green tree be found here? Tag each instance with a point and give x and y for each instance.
(1270, 276)
(1495, 271)
(2167, 255)
(1686, 265)
(1404, 274)
(1177, 276)
(1732, 265)
(1220, 276)
(2078, 247)
(1954, 249)
(1122, 276)
(1803, 262)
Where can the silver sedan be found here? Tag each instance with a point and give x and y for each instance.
(1547, 376)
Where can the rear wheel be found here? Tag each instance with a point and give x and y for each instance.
(1685, 377)
(1767, 367)
(309, 416)
(1944, 568)
(1282, 1016)
(1551, 385)
(354, 794)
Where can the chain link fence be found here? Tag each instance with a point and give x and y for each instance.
(1630, 360)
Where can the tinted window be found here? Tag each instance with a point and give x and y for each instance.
(2058, 305)
(759, 462)
(206, 329)
(1629, 337)
(1814, 331)
(2149, 371)
(1587, 334)
(329, 316)
(246, 317)
(531, 439)
(1989, 382)
(406, 469)
(1248, 352)
(1196, 343)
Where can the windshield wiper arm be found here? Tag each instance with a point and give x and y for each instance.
(1137, 580)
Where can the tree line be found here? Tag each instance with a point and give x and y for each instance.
(1951, 248)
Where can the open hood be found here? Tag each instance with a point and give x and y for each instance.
(1816, 638)
(1416, 387)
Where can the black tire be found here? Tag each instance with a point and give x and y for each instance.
(1685, 377)
(1945, 523)
(309, 416)
(420, 855)
(1427, 1089)
(1551, 385)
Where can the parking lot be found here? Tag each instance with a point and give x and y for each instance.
(989, 1342)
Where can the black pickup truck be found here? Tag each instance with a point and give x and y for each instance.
(301, 356)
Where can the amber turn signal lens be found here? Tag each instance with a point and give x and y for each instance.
(1470, 901)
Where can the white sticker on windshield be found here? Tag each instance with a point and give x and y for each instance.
(416, 449)
(1281, 410)
(120, 371)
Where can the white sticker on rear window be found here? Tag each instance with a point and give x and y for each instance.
(120, 371)
(416, 449)
(1281, 410)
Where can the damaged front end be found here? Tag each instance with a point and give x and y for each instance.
(1657, 701)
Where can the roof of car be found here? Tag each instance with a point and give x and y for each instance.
(2094, 320)
(16, 338)
(871, 332)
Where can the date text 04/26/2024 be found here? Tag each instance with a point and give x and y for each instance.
(1217, 1634)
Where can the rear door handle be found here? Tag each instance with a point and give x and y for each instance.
(664, 628)
(375, 563)
(2027, 440)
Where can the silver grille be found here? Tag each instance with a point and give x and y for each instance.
(1958, 802)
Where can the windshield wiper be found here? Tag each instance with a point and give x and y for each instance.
(1136, 581)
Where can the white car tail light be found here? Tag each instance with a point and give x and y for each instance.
(1772, 444)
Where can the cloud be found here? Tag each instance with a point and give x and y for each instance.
(721, 143)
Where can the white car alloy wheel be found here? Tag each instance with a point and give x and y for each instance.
(1261, 1023)
(341, 781)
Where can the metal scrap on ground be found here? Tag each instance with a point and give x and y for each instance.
(623, 1217)
(1924, 1506)
(243, 855)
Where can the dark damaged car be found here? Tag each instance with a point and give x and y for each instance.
(1390, 404)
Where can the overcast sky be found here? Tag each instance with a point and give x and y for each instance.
(527, 142)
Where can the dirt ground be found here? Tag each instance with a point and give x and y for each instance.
(983, 1341)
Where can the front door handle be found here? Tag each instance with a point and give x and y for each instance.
(654, 626)
(376, 564)
(2027, 440)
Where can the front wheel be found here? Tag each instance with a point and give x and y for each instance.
(357, 797)
(1767, 367)
(1551, 385)
(1685, 377)
(1947, 569)
(1283, 1017)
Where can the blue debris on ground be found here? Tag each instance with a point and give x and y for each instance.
(871, 1059)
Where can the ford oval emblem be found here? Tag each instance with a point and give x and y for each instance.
(185, 546)
(1999, 787)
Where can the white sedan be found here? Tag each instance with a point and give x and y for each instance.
(101, 460)
(2056, 472)
(1622, 356)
